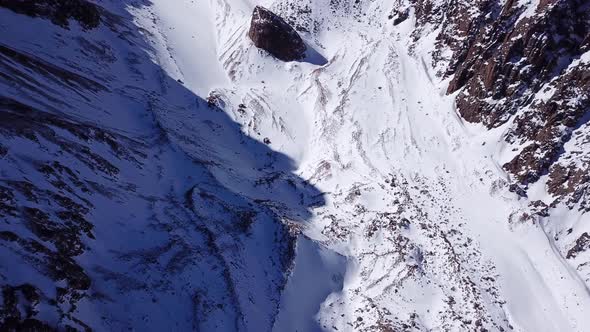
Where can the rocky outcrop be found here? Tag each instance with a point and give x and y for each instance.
(510, 59)
(58, 11)
(520, 63)
(270, 32)
(582, 244)
(549, 125)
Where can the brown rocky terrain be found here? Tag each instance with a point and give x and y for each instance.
(504, 64)
(526, 70)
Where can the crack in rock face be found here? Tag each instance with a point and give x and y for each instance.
(270, 32)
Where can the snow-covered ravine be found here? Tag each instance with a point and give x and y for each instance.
(417, 205)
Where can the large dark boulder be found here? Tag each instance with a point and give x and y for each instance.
(270, 32)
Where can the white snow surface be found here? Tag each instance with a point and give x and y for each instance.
(418, 229)
(375, 113)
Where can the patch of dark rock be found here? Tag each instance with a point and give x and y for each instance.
(299, 15)
(507, 60)
(14, 324)
(520, 191)
(244, 221)
(18, 119)
(51, 71)
(77, 220)
(66, 238)
(270, 32)
(62, 173)
(58, 11)
(531, 163)
(27, 189)
(214, 101)
(188, 198)
(570, 181)
(492, 48)
(8, 236)
(52, 264)
(582, 244)
(19, 306)
(539, 208)
(268, 180)
(7, 202)
(65, 268)
(400, 16)
(64, 231)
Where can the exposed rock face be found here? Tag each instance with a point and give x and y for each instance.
(519, 63)
(512, 57)
(582, 244)
(58, 11)
(525, 66)
(549, 125)
(270, 32)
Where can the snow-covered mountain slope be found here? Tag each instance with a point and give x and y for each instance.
(158, 171)
(115, 215)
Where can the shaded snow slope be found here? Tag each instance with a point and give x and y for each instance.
(246, 193)
(116, 213)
